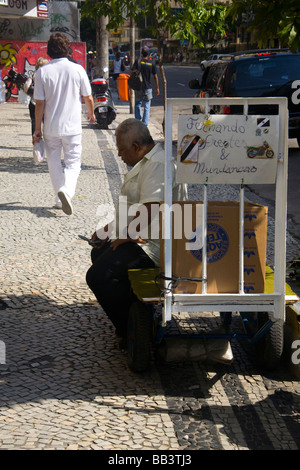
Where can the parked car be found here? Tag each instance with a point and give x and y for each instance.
(211, 58)
(263, 73)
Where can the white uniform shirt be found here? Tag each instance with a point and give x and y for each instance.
(61, 83)
(117, 66)
(145, 183)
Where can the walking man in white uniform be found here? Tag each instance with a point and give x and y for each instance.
(59, 86)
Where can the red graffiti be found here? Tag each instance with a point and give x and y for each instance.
(22, 55)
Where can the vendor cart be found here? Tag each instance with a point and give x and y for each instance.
(250, 148)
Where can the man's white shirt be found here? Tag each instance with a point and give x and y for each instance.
(61, 84)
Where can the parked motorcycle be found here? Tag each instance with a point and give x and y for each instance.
(104, 107)
(13, 78)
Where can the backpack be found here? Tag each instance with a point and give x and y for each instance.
(135, 81)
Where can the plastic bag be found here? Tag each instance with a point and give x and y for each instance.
(28, 87)
(23, 98)
(39, 151)
(2, 91)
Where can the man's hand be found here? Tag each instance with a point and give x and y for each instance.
(37, 136)
(89, 103)
(91, 118)
(97, 242)
(39, 113)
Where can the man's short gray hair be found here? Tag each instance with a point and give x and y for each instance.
(132, 130)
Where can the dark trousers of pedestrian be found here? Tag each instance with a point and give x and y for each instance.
(32, 116)
(108, 280)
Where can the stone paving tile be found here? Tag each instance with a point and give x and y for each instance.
(65, 384)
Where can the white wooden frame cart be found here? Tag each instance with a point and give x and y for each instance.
(274, 302)
(265, 142)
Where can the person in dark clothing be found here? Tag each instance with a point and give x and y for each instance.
(144, 96)
(122, 249)
(29, 88)
(70, 56)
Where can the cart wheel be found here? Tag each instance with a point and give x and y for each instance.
(102, 124)
(139, 336)
(268, 349)
(226, 318)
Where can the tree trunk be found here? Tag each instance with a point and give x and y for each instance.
(132, 60)
(160, 63)
(102, 62)
(164, 81)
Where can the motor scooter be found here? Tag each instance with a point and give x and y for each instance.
(13, 78)
(104, 107)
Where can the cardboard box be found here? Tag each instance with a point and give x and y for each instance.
(222, 247)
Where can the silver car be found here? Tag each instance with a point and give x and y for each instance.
(211, 58)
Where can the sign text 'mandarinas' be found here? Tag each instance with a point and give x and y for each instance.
(202, 168)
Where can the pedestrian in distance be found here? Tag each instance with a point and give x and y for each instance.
(115, 251)
(117, 67)
(59, 87)
(29, 89)
(144, 96)
(70, 56)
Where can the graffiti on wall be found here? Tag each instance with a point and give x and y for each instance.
(23, 56)
(63, 18)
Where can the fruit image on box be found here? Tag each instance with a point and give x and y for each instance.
(222, 247)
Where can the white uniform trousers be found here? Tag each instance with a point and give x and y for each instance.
(64, 179)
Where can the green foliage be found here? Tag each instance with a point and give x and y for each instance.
(188, 20)
(270, 20)
(88, 32)
(198, 20)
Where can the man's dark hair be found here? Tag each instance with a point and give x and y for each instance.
(145, 51)
(58, 46)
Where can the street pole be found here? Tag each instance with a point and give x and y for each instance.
(102, 46)
(132, 60)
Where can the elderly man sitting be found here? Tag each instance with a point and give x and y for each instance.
(113, 257)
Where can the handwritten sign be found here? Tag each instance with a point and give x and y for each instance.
(227, 149)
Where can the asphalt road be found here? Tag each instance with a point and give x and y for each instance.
(178, 78)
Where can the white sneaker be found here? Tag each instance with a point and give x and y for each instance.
(57, 205)
(66, 203)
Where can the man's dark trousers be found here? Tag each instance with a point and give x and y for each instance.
(108, 279)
